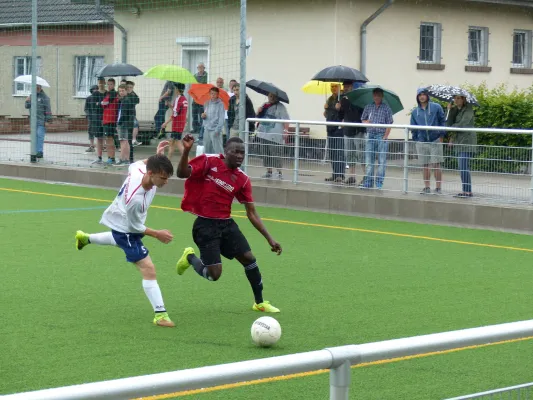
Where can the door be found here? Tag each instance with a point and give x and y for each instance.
(190, 59)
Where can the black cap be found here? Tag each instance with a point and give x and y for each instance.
(93, 88)
(179, 86)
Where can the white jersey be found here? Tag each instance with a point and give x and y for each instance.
(127, 213)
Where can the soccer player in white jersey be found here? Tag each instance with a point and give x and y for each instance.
(126, 217)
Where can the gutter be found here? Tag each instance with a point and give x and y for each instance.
(362, 66)
(118, 26)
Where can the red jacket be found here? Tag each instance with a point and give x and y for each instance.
(179, 114)
(111, 109)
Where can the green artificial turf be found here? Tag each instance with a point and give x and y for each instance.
(73, 316)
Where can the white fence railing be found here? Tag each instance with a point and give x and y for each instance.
(501, 173)
(337, 359)
(517, 392)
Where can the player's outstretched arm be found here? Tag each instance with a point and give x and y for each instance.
(184, 171)
(164, 236)
(256, 221)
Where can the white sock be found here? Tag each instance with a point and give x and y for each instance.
(104, 238)
(151, 288)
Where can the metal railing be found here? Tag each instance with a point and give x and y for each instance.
(493, 173)
(337, 359)
(524, 392)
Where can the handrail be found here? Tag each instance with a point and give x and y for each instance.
(338, 359)
(396, 126)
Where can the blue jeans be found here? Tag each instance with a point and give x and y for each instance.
(159, 118)
(41, 131)
(336, 153)
(375, 145)
(464, 168)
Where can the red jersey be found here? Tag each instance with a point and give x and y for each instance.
(212, 186)
(111, 109)
(179, 114)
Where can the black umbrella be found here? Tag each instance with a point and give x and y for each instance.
(340, 73)
(119, 69)
(266, 88)
(447, 93)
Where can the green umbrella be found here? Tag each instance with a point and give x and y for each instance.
(363, 96)
(170, 73)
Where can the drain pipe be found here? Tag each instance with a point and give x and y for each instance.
(362, 65)
(118, 26)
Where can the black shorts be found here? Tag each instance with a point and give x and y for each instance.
(176, 135)
(216, 237)
(95, 130)
(110, 130)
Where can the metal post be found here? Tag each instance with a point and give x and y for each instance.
(406, 162)
(33, 110)
(242, 97)
(339, 382)
(57, 80)
(246, 148)
(296, 153)
(531, 172)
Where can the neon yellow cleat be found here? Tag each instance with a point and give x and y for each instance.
(183, 262)
(162, 319)
(82, 239)
(265, 306)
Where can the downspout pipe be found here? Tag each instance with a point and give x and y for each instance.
(362, 66)
(110, 19)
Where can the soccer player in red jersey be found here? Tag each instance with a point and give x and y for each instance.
(213, 181)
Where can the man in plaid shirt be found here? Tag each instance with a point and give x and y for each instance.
(376, 143)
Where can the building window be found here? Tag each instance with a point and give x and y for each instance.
(22, 66)
(86, 69)
(430, 42)
(478, 46)
(522, 49)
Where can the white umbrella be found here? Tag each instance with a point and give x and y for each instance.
(26, 79)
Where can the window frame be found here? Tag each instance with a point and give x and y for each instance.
(483, 59)
(26, 91)
(527, 60)
(84, 94)
(437, 43)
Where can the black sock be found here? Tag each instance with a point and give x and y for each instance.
(254, 277)
(199, 266)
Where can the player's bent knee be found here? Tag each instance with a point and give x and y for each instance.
(246, 259)
(215, 271)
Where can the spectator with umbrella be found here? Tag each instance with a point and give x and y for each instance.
(335, 141)
(428, 143)
(461, 115)
(353, 136)
(44, 113)
(271, 135)
(378, 112)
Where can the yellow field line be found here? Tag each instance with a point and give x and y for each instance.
(281, 221)
(323, 371)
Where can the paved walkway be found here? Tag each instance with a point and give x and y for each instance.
(68, 149)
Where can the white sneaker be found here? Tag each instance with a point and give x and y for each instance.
(136, 143)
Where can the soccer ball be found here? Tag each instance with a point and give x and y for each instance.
(266, 331)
